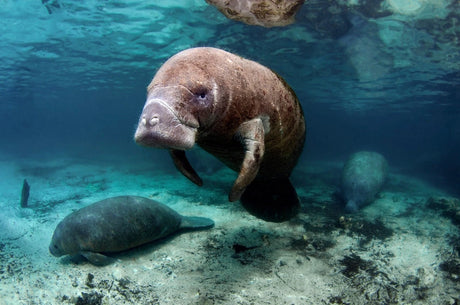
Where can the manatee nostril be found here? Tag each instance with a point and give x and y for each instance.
(144, 121)
(154, 120)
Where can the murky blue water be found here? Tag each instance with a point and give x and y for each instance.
(73, 77)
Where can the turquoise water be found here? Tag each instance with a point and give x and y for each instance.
(370, 75)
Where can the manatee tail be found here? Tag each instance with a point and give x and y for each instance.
(272, 200)
(196, 223)
(351, 207)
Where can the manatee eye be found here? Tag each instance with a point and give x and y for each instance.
(201, 94)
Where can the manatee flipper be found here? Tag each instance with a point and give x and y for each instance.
(251, 134)
(195, 223)
(97, 259)
(182, 164)
(271, 200)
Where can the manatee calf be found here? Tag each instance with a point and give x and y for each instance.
(237, 110)
(117, 224)
(363, 176)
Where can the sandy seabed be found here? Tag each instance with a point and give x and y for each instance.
(402, 249)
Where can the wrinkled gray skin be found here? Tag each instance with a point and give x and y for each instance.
(363, 176)
(117, 224)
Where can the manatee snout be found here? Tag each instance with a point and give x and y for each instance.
(54, 247)
(54, 250)
(160, 126)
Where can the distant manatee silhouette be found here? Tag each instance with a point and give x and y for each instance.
(117, 224)
(363, 176)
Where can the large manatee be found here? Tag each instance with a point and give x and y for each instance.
(117, 224)
(239, 111)
(363, 176)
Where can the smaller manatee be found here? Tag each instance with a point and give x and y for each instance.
(117, 224)
(363, 176)
(266, 13)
